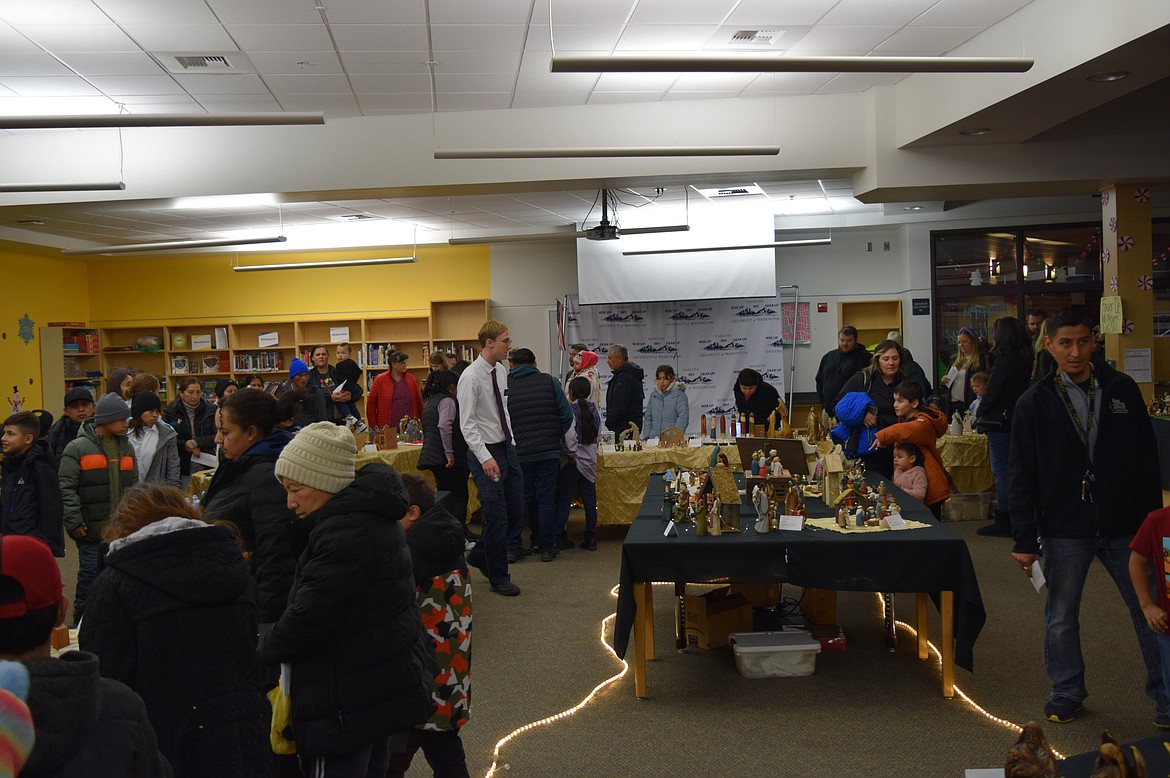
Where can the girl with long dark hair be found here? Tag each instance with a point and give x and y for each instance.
(444, 452)
(579, 461)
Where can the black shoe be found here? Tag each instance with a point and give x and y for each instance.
(527, 551)
(513, 556)
(507, 588)
(1061, 710)
(994, 530)
(564, 543)
(590, 541)
(548, 554)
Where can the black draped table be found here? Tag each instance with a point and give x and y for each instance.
(931, 561)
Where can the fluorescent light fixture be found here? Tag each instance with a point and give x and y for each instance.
(609, 151)
(335, 263)
(106, 186)
(775, 244)
(88, 121)
(749, 63)
(169, 245)
(221, 202)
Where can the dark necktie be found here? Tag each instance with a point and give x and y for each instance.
(500, 407)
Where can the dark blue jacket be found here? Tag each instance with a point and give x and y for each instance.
(624, 398)
(539, 412)
(30, 497)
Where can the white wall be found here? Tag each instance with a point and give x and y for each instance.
(527, 280)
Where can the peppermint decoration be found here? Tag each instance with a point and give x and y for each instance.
(1113, 224)
(1113, 284)
(1124, 243)
(1127, 327)
(1106, 256)
(1146, 282)
(1105, 198)
(1142, 194)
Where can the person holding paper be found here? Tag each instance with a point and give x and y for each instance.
(340, 392)
(194, 419)
(968, 362)
(1084, 474)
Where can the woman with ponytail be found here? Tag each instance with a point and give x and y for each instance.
(579, 461)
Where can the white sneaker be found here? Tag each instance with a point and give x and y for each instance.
(360, 426)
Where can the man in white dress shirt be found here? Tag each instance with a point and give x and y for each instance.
(487, 428)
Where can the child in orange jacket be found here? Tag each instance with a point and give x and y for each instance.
(922, 427)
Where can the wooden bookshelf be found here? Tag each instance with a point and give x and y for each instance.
(873, 318)
(455, 326)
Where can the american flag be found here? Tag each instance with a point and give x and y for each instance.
(562, 315)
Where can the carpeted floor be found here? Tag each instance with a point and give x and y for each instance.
(864, 711)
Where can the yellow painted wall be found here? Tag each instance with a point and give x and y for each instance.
(175, 289)
(46, 288)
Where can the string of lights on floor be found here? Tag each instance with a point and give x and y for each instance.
(605, 623)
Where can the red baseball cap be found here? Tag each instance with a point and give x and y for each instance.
(30, 562)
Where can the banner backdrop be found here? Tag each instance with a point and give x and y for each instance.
(706, 341)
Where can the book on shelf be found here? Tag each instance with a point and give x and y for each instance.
(210, 364)
(271, 387)
(258, 362)
(178, 341)
(179, 365)
(221, 338)
(375, 354)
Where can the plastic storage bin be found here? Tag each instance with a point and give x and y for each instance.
(973, 506)
(775, 654)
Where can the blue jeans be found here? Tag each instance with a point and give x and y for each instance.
(570, 482)
(998, 445)
(1066, 563)
(87, 570)
(500, 500)
(540, 485)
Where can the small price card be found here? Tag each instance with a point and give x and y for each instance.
(793, 523)
(895, 521)
(608, 448)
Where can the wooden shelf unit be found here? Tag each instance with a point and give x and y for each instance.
(455, 326)
(873, 318)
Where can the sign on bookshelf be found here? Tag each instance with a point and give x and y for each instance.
(268, 339)
(338, 334)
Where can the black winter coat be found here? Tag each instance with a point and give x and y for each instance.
(61, 434)
(327, 383)
(245, 492)
(30, 497)
(436, 545)
(762, 402)
(173, 616)
(88, 726)
(203, 432)
(362, 666)
(835, 369)
(1048, 461)
(539, 412)
(625, 398)
(1009, 378)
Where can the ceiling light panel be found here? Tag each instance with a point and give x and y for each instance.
(119, 63)
(64, 38)
(180, 37)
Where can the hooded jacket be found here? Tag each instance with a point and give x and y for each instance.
(836, 368)
(165, 465)
(203, 433)
(539, 412)
(623, 398)
(380, 402)
(85, 480)
(88, 726)
(245, 492)
(923, 430)
(173, 616)
(666, 409)
(851, 432)
(30, 497)
(362, 667)
(444, 603)
(61, 434)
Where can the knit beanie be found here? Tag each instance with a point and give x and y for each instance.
(143, 402)
(16, 725)
(297, 367)
(111, 407)
(222, 384)
(320, 456)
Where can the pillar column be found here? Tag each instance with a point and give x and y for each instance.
(1127, 266)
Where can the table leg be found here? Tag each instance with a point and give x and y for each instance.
(947, 614)
(649, 623)
(641, 616)
(923, 626)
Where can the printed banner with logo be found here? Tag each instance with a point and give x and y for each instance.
(707, 342)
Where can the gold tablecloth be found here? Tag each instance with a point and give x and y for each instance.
(403, 459)
(967, 461)
(622, 476)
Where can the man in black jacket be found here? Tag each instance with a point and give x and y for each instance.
(754, 396)
(30, 501)
(86, 725)
(839, 365)
(624, 395)
(1084, 476)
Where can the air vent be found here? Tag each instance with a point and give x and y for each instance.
(204, 62)
(754, 37)
(732, 191)
(354, 217)
(208, 62)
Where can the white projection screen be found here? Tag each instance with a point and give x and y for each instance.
(604, 275)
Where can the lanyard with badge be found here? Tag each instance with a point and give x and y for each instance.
(1088, 479)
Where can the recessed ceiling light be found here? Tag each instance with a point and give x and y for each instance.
(972, 131)
(1108, 75)
(912, 208)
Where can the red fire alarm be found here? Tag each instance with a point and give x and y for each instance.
(822, 307)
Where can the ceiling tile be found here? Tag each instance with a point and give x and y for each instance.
(51, 12)
(674, 94)
(635, 82)
(584, 37)
(60, 38)
(232, 98)
(380, 37)
(474, 101)
(307, 84)
(712, 82)
(477, 61)
(469, 82)
(494, 12)
(188, 105)
(12, 42)
(962, 13)
(34, 64)
(664, 37)
(122, 63)
(768, 14)
(132, 101)
(403, 83)
(799, 83)
(602, 98)
(592, 12)
(374, 12)
(377, 63)
(468, 37)
(49, 86)
(926, 41)
(181, 37)
(396, 102)
(558, 98)
(860, 82)
(281, 37)
(864, 13)
(550, 82)
(53, 104)
(264, 11)
(235, 84)
(659, 12)
(243, 104)
(157, 11)
(842, 40)
(285, 62)
(137, 85)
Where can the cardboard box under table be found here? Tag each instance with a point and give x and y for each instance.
(711, 618)
(931, 562)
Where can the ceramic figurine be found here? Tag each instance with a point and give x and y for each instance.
(702, 426)
(760, 501)
(775, 469)
(842, 517)
(1031, 756)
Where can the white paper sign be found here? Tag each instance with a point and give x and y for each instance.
(203, 458)
(694, 443)
(199, 342)
(370, 447)
(1037, 576)
(268, 339)
(1137, 365)
(338, 334)
(793, 523)
(895, 521)
(608, 448)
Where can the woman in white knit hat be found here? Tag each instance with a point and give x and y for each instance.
(361, 665)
